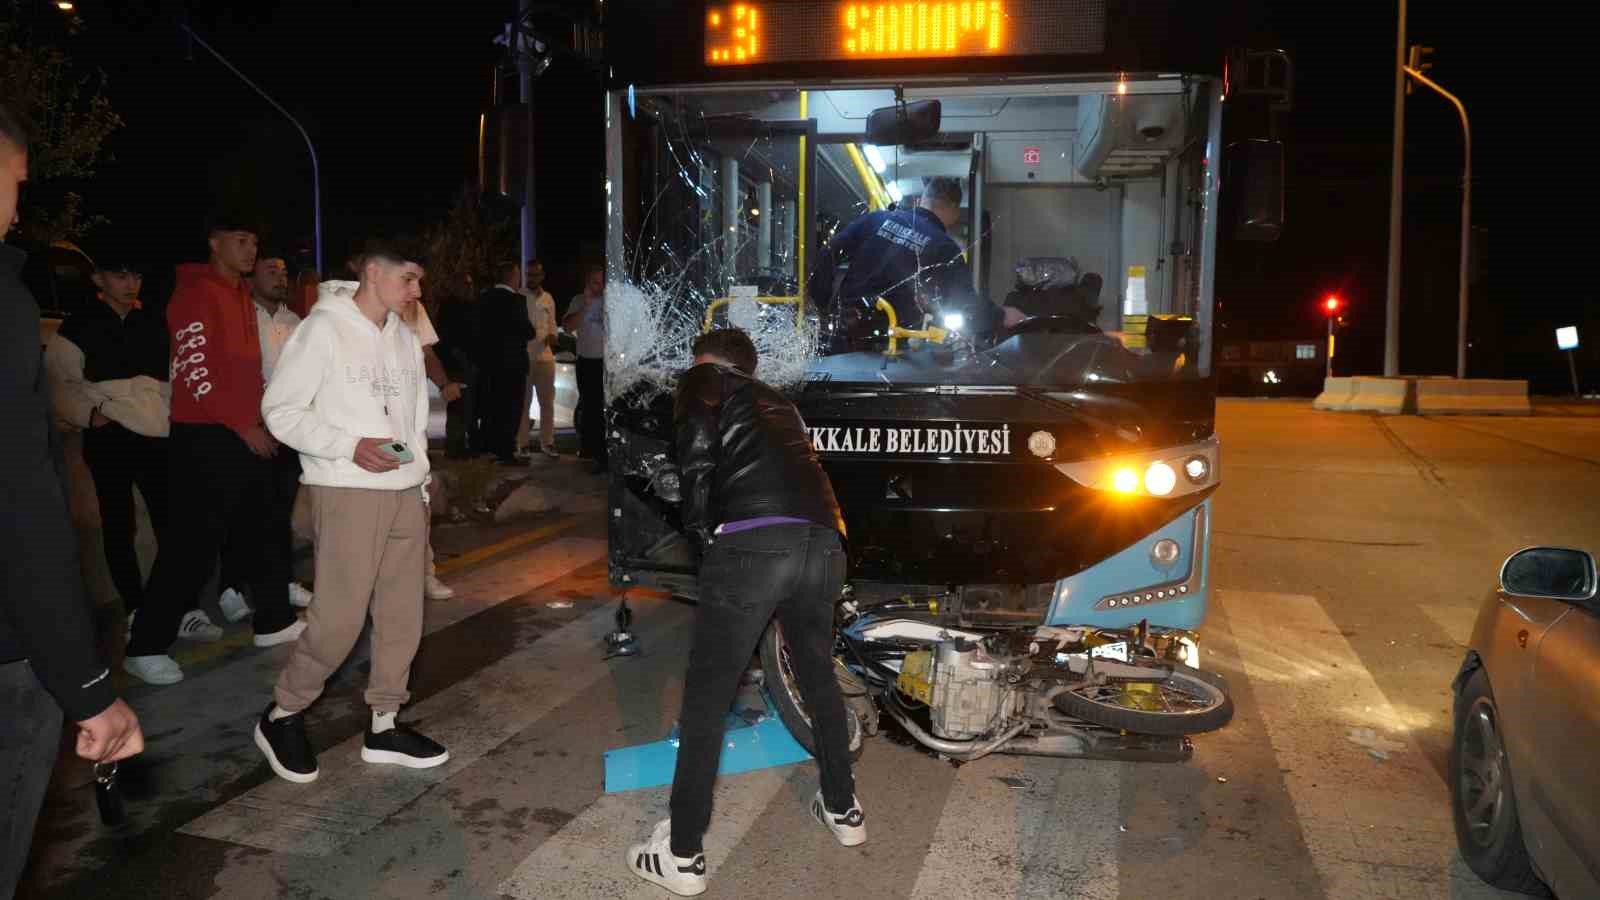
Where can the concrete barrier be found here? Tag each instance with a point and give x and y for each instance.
(1336, 394)
(1472, 397)
(1425, 395)
(1385, 396)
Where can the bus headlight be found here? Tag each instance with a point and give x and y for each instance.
(1159, 479)
(1126, 481)
(1197, 469)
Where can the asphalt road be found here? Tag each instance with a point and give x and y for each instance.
(1351, 554)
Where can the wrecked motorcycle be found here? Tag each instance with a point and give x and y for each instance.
(967, 692)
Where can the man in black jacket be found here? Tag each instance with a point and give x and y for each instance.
(504, 332)
(763, 513)
(93, 359)
(48, 659)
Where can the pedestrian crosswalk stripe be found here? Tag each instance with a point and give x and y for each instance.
(471, 718)
(588, 856)
(1007, 830)
(1375, 815)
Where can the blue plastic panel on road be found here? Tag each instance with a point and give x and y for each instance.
(763, 745)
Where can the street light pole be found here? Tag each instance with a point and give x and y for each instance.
(316, 175)
(525, 69)
(1466, 216)
(1391, 318)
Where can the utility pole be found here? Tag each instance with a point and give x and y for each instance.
(1415, 68)
(525, 68)
(1391, 318)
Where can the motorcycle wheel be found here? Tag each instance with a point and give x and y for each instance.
(1187, 702)
(785, 692)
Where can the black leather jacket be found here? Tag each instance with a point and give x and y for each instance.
(744, 453)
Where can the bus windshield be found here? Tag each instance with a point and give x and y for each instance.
(1041, 234)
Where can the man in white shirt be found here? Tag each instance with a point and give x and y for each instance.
(275, 322)
(541, 361)
(587, 317)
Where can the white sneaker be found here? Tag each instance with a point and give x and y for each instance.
(159, 669)
(551, 451)
(848, 827)
(197, 626)
(287, 635)
(434, 589)
(233, 606)
(653, 861)
(299, 597)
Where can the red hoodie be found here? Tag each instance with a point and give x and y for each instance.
(216, 352)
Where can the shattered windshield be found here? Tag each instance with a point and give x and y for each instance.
(1044, 235)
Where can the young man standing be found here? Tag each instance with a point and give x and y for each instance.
(108, 371)
(275, 321)
(349, 395)
(762, 511)
(219, 456)
(504, 330)
(587, 317)
(49, 663)
(541, 362)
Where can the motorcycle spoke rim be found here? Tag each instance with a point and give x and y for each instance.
(1162, 698)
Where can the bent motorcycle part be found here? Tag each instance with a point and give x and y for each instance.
(1095, 744)
(746, 747)
(1188, 701)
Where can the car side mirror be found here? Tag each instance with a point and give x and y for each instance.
(1556, 572)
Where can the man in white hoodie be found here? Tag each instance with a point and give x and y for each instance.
(349, 395)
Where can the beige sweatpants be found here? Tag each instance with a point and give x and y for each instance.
(371, 548)
(542, 384)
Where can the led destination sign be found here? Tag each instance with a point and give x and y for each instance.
(740, 34)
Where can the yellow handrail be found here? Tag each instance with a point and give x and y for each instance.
(803, 225)
(877, 198)
(711, 311)
(896, 333)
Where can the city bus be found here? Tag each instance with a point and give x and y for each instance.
(1049, 461)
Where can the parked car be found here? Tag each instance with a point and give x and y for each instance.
(1524, 778)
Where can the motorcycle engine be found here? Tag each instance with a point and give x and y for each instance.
(970, 692)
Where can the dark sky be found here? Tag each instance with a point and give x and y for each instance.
(391, 93)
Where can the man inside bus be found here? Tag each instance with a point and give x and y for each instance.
(897, 254)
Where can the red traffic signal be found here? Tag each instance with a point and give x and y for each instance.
(1331, 304)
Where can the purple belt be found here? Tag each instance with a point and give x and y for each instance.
(764, 521)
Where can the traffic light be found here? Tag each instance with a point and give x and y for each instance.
(1331, 305)
(1417, 58)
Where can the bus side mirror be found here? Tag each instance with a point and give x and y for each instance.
(1252, 189)
(904, 123)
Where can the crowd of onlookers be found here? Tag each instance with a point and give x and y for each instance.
(245, 403)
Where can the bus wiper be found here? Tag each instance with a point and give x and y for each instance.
(1130, 433)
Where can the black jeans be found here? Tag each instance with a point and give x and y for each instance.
(218, 488)
(592, 409)
(277, 530)
(30, 736)
(502, 410)
(461, 428)
(119, 459)
(795, 572)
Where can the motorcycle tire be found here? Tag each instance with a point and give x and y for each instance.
(785, 694)
(1216, 712)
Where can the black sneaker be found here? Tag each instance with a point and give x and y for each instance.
(286, 746)
(400, 746)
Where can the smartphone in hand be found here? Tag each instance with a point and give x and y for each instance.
(401, 453)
